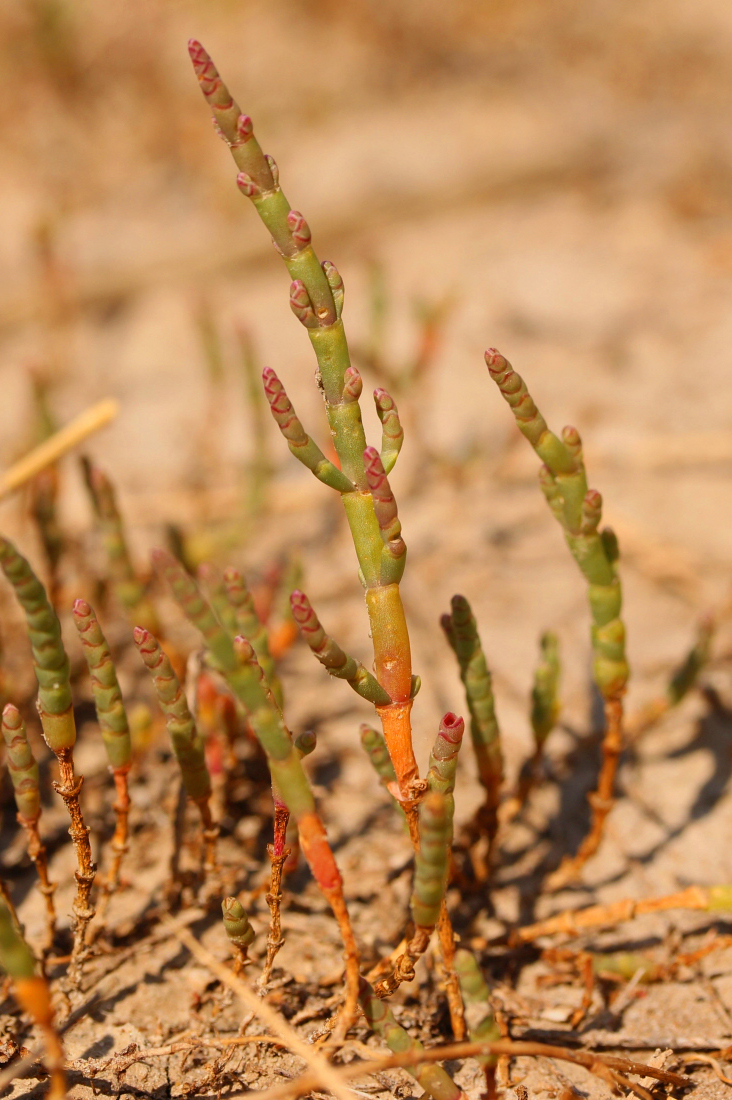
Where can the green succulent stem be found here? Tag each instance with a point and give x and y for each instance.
(378, 754)
(545, 691)
(686, 675)
(51, 666)
(432, 860)
(316, 299)
(579, 510)
(218, 596)
(238, 930)
(106, 693)
(332, 657)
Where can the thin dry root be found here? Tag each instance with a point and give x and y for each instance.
(278, 854)
(600, 800)
(120, 840)
(350, 1011)
(446, 938)
(68, 787)
(37, 852)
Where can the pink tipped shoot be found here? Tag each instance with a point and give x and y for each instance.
(494, 360)
(300, 605)
(452, 728)
(81, 608)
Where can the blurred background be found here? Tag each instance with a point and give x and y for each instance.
(552, 179)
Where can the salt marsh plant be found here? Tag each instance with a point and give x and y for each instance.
(230, 689)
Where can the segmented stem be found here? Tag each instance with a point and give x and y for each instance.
(579, 511)
(432, 862)
(544, 713)
(50, 663)
(377, 752)
(441, 777)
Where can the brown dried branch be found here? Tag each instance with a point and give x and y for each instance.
(574, 922)
(515, 1048)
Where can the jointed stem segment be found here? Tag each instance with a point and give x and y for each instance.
(481, 1021)
(249, 625)
(331, 656)
(544, 713)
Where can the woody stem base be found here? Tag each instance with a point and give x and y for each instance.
(446, 938)
(69, 787)
(119, 843)
(278, 853)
